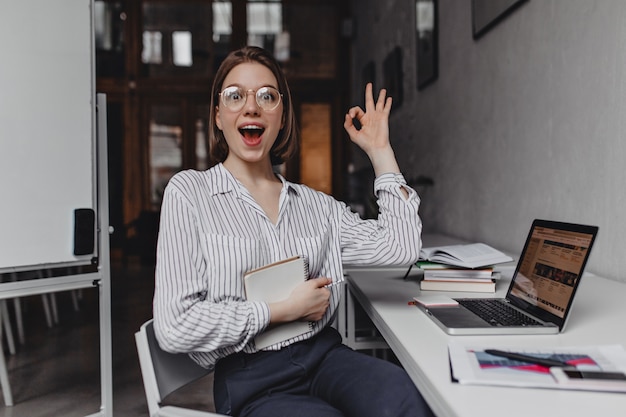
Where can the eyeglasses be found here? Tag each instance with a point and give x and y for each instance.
(234, 98)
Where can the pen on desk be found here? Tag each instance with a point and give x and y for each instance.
(527, 358)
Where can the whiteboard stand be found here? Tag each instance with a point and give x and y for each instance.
(104, 268)
(63, 136)
(100, 278)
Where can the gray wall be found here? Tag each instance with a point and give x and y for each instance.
(526, 122)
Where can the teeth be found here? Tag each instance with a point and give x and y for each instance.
(251, 131)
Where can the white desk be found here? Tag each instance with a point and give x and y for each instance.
(598, 316)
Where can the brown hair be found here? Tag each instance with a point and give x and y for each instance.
(287, 142)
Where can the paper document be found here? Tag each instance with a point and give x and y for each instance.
(473, 255)
(472, 365)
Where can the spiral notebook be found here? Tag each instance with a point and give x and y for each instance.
(272, 283)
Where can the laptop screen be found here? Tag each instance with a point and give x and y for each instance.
(550, 268)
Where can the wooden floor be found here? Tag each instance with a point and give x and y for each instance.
(56, 371)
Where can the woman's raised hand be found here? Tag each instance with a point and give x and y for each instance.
(373, 136)
(374, 132)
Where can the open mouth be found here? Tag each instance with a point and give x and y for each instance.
(251, 133)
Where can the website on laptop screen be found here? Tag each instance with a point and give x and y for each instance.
(549, 272)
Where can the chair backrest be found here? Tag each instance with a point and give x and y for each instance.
(163, 372)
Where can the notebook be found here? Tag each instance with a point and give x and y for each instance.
(272, 283)
(542, 288)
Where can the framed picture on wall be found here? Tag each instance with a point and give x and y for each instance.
(488, 13)
(427, 42)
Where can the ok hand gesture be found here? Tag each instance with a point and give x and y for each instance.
(373, 136)
(374, 132)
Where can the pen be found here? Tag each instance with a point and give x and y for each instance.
(527, 358)
(332, 284)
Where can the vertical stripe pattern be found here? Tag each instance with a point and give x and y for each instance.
(212, 232)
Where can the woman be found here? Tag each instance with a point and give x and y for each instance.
(240, 215)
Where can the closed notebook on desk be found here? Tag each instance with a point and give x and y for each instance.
(540, 296)
(273, 283)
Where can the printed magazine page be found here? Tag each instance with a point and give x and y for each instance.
(472, 365)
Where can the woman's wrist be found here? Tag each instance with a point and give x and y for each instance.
(281, 312)
(383, 161)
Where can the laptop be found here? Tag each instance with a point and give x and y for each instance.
(542, 288)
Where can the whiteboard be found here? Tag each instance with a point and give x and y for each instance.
(47, 130)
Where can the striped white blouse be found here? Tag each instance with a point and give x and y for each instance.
(212, 232)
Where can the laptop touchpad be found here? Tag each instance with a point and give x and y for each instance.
(457, 317)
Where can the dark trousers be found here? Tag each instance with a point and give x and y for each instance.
(320, 377)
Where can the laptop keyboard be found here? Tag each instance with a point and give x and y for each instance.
(497, 313)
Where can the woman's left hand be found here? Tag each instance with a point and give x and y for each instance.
(373, 136)
(374, 132)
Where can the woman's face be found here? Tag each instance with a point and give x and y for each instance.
(251, 131)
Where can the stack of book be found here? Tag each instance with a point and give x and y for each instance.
(441, 277)
(466, 267)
